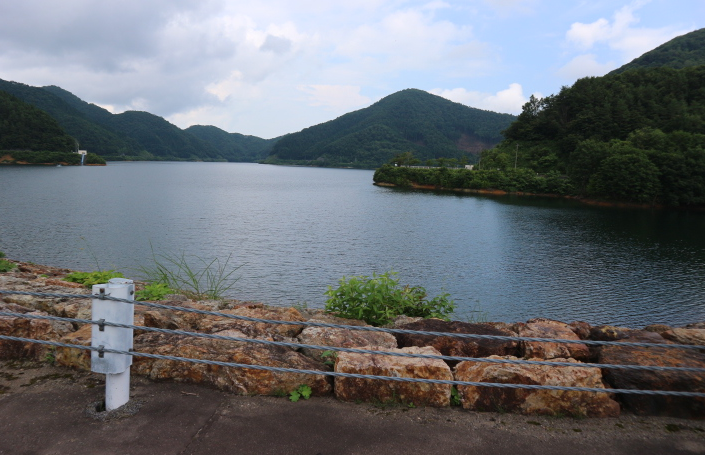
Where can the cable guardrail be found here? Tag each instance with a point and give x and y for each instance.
(117, 375)
(361, 328)
(213, 336)
(103, 350)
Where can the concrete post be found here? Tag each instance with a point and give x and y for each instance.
(116, 367)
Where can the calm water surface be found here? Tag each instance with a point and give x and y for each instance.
(297, 230)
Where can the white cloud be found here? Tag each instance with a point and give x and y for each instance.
(412, 39)
(585, 65)
(337, 97)
(621, 34)
(509, 100)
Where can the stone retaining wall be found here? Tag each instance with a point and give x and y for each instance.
(256, 382)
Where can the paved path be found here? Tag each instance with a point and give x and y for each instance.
(43, 410)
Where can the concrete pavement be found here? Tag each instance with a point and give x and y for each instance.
(45, 410)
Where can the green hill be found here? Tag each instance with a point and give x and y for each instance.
(151, 135)
(24, 127)
(407, 121)
(681, 52)
(637, 136)
(233, 146)
(91, 136)
(132, 134)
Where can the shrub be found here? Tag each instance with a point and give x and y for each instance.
(6, 266)
(154, 291)
(88, 279)
(379, 299)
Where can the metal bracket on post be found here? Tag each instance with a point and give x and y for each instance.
(116, 367)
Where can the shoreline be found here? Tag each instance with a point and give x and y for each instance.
(582, 200)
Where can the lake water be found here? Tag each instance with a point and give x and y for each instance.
(295, 231)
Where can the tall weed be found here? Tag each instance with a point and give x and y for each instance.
(193, 276)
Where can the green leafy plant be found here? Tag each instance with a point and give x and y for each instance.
(154, 291)
(379, 299)
(50, 356)
(302, 391)
(454, 396)
(2, 255)
(329, 357)
(210, 279)
(88, 279)
(6, 266)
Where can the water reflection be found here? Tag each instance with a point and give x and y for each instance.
(298, 230)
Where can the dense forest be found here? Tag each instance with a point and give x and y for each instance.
(635, 135)
(24, 127)
(681, 52)
(132, 135)
(90, 135)
(407, 121)
(150, 136)
(48, 157)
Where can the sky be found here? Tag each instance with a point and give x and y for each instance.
(272, 67)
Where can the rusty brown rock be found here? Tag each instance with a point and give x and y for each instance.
(64, 284)
(609, 333)
(548, 328)
(687, 407)
(162, 319)
(343, 338)
(238, 380)
(402, 320)
(212, 324)
(685, 336)
(527, 401)
(695, 325)
(328, 318)
(581, 329)
(72, 357)
(657, 328)
(458, 347)
(382, 391)
(20, 327)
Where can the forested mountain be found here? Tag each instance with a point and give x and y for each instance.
(25, 127)
(636, 136)
(153, 136)
(407, 121)
(681, 52)
(90, 135)
(132, 134)
(234, 146)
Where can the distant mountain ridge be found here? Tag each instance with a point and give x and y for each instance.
(409, 120)
(133, 134)
(680, 52)
(237, 146)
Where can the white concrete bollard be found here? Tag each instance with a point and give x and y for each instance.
(116, 367)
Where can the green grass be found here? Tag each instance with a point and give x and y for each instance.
(192, 276)
(154, 291)
(6, 266)
(88, 279)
